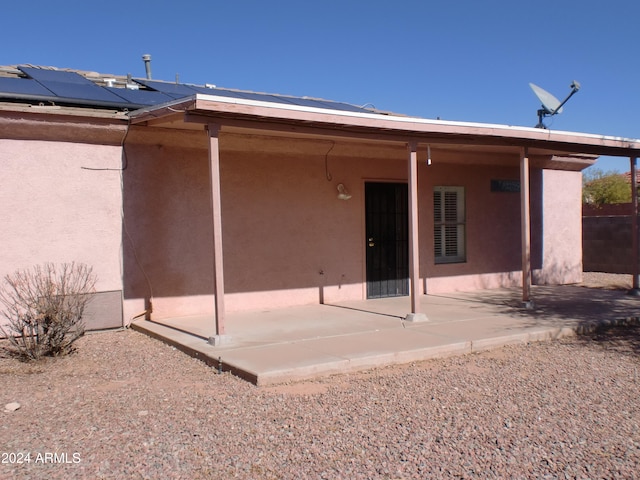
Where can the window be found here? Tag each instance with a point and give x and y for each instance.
(449, 224)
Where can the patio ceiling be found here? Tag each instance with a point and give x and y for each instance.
(255, 117)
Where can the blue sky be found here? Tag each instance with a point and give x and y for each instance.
(466, 60)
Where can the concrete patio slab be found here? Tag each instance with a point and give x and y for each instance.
(303, 342)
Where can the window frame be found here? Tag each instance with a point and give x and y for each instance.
(441, 226)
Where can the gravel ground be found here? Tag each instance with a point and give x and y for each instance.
(127, 406)
(609, 281)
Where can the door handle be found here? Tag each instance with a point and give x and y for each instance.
(371, 242)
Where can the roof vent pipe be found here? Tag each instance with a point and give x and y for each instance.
(147, 64)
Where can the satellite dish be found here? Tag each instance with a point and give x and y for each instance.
(550, 104)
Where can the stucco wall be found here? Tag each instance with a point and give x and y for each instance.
(54, 210)
(492, 229)
(561, 228)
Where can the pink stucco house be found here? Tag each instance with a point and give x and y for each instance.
(190, 200)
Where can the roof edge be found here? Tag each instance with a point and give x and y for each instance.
(420, 129)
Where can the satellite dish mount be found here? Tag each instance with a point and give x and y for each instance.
(550, 104)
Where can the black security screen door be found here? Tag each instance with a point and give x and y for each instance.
(387, 239)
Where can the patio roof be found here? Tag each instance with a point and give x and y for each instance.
(242, 115)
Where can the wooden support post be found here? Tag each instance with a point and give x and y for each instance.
(525, 223)
(218, 270)
(414, 241)
(635, 290)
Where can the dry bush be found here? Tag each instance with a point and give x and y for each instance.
(45, 305)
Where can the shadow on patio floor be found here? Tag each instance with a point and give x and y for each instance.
(619, 338)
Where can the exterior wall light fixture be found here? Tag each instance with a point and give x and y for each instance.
(342, 192)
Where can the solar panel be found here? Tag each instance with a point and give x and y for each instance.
(174, 90)
(265, 97)
(180, 90)
(262, 97)
(141, 97)
(220, 92)
(328, 104)
(24, 86)
(43, 75)
(82, 92)
(271, 98)
(71, 86)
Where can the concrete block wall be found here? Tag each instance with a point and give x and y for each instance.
(606, 244)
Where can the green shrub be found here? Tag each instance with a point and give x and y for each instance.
(44, 306)
(600, 188)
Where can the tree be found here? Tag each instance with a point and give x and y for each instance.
(600, 188)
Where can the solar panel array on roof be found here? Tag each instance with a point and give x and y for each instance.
(262, 97)
(174, 89)
(23, 86)
(325, 104)
(70, 85)
(219, 92)
(44, 75)
(67, 87)
(141, 97)
(181, 90)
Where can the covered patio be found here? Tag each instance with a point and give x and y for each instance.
(507, 258)
(297, 343)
